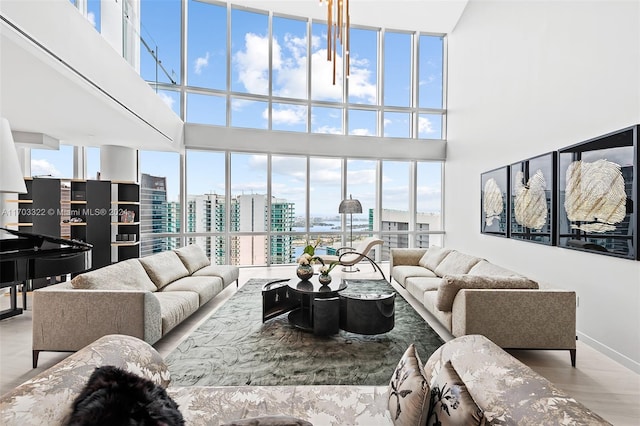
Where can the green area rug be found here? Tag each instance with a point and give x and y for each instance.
(233, 347)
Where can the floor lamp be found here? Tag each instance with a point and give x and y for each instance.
(350, 206)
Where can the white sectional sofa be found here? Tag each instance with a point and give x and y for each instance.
(144, 297)
(470, 295)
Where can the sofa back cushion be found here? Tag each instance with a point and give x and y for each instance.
(125, 275)
(456, 263)
(193, 257)
(451, 284)
(432, 257)
(164, 268)
(489, 269)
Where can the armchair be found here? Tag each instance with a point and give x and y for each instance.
(349, 256)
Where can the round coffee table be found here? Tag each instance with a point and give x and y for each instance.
(315, 300)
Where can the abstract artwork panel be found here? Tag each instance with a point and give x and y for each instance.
(598, 195)
(532, 199)
(494, 194)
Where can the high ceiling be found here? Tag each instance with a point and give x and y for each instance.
(38, 93)
(437, 16)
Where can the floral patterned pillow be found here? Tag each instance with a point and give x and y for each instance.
(451, 403)
(409, 391)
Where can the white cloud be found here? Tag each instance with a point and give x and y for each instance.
(328, 130)
(200, 63)
(166, 99)
(360, 132)
(289, 115)
(91, 17)
(290, 69)
(361, 177)
(253, 64)
(386, 122)
(425, 126)
(43, 168)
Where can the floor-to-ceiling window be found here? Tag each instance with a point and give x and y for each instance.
(253, 69)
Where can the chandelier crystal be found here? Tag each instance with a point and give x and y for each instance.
(338, 22)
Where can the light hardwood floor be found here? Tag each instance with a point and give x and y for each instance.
(598, 382)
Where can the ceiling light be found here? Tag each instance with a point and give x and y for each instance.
(338, 22)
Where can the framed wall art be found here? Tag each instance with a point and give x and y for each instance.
(493, 202)
(598, 195)
(532, 199)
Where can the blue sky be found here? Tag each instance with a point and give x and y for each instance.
(206, 69)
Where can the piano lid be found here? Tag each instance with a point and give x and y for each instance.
(19, 241)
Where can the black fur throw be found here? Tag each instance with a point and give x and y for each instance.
(113, 397)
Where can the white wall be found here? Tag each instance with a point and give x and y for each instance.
(529, 77)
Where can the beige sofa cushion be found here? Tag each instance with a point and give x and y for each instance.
(416, 286)
(451, 284)
(432, 258)
(402, 272)
(206, 287)
(164, 268)
(456, 263)
(176, 306)
(228, 273)
(489, 269)
(193, 257)
(125, 275)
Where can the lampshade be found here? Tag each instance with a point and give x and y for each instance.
(11, 179)
(350, 205)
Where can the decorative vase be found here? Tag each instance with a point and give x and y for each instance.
(324, 279)
(304, 272)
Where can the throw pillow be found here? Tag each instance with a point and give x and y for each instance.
(125, 275)
(193, 257)
(456, 263)
(451, 284)
(451, 403)
(432, 257)
(113, 396)
(409, 391)
(164, 268)
(269, 421)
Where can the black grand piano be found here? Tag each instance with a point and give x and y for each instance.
(25, 257)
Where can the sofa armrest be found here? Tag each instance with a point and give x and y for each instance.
(46, 399)
(405, 256)
(67, 319)
(524, 319)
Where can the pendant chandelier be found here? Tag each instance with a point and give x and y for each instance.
(338, 22)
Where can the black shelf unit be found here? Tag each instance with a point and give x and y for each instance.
(39, 209)
(125, 221)
(90, 201)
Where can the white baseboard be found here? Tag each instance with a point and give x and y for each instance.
(611, 353)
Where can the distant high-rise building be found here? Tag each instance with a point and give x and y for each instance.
(153, 213)
(397, 220)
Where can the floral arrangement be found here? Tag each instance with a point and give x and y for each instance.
(307, 259)
(325, 270)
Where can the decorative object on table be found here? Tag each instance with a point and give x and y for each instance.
(324, 277)
(305, 270)
(494, 191)
(596, 195)
(11, 180)
(350, 206)
(532, 200)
